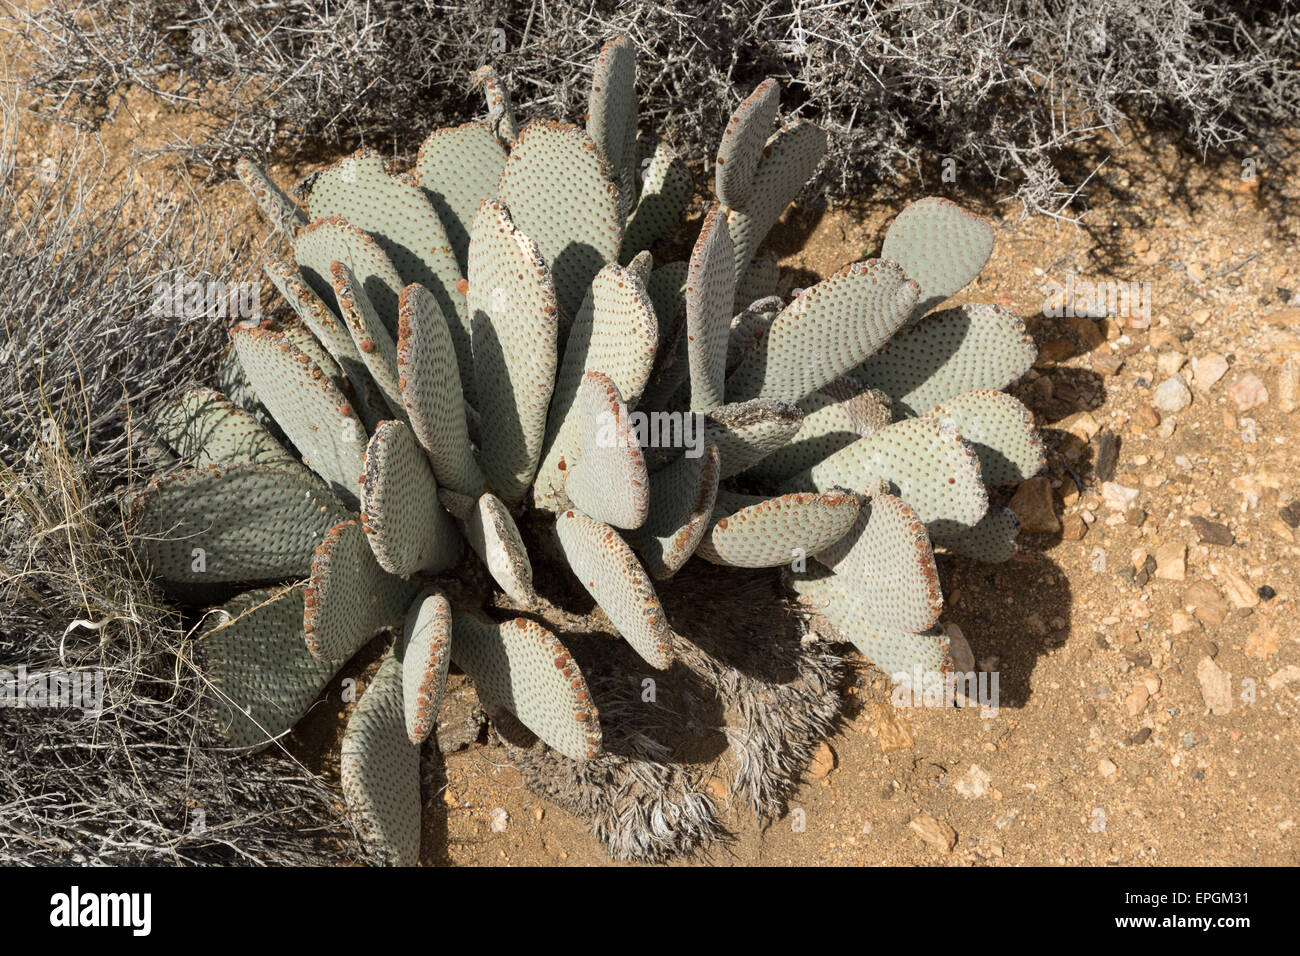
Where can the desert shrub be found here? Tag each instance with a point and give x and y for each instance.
(81, 255)
(1006, 88)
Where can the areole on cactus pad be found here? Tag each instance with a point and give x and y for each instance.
(487, 346)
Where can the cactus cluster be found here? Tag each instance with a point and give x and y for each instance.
(488, 335)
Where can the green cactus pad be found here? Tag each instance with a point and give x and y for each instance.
(611, 113)
(204, 427)
(609, 481)
(899, 654)
(380, 768)
(949, 353)
(278, 207)
(512, 300)
(458, 168)
(667, 291)
(933, 469)
(615, 333)
(314, 415)
(774, 531)
(742, 143)
(492, 533)
(750, 328)
(374, 344)
(561, 195)
(408, 530)
(1001, 430)
(682, 495)
(940, 245)
(349, 598)
(403, 222)
(886, 557)
(710, 287)
(610, 572)
(431, 391)
(501, 112)
(789, 159)
(835, 416)
(758, 280)
(992, 540)
(259, 677)
(327, 241)
(425, 652)
(745, 432)
(521, 667)
(826, 331)
(233, 522)
(665, 190)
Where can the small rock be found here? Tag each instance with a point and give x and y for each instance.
(1265, 592)
(1147, 415)
(1291, 514)
(963, 658)
(1212, 532)
(1263, 642)
(1287, 675)
(1237, 589)
(893, 732)
(1136, 701)
(974, 783)
(1073, 527)
(1216, 686)
(1139, 736)
(1168, 363)
(1173, 395)
(1152, 683)
(1107, 455)
(1034, 505)
(1108, 364)
(822, 762)
(1206, 603)
(1209, 370)
(1118, 497)
(1288, 385)
(1248, 392)
(1106, 767)
(1171, 562)
(1180, 622)
(934, 832)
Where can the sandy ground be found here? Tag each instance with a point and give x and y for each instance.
(1147, 707)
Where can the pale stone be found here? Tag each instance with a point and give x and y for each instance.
(1248, 392)
(1209, 369)
(1171, 562)
(1216, 686)
(1173, 395)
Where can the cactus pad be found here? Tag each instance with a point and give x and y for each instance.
(992, 540)
(771, 532)
(521, 667)
(408, 529)
(610, 572)
(665, 191)
(425, 652)
(561, 195)
(949, 353)
(349, 597)
(1000, 430)
(380, 767)
(313, 413)
(682, 495)
(260, 679)
(458, 168)
(939, 245)
(372, 340)
(492, 533)
(747, 431)
(742, 142)
(204, 427)
(327, 241)
(609, 480)
(512, 301)
(431, 391)
(611, 113)
(710, 287)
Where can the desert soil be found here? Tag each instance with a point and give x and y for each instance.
(1145, 639)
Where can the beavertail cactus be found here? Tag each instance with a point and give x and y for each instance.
(488, 342)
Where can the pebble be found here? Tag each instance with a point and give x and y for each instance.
(1140, 736)
(1172, 395)
(1193, 738)
(963, 658)
(1147, 415)
(1291, 514)
(822, 762)
(1263, 642)
(1216, 686)
(1168, 363)
(1118, 497)
(934, 832)
(1073, 527)
(1180, 622)
(973, 783)
(1212, 532)
(1034, 505)
(1136, 701)
(1248, 392)
(1288, 385)
(1281, 678)
(1236, 588)
(1108, 364)
(1206, 603)
(1209, 369)
(1106, 767)
(1265, 592)
(892, 730)
(1171, 562)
